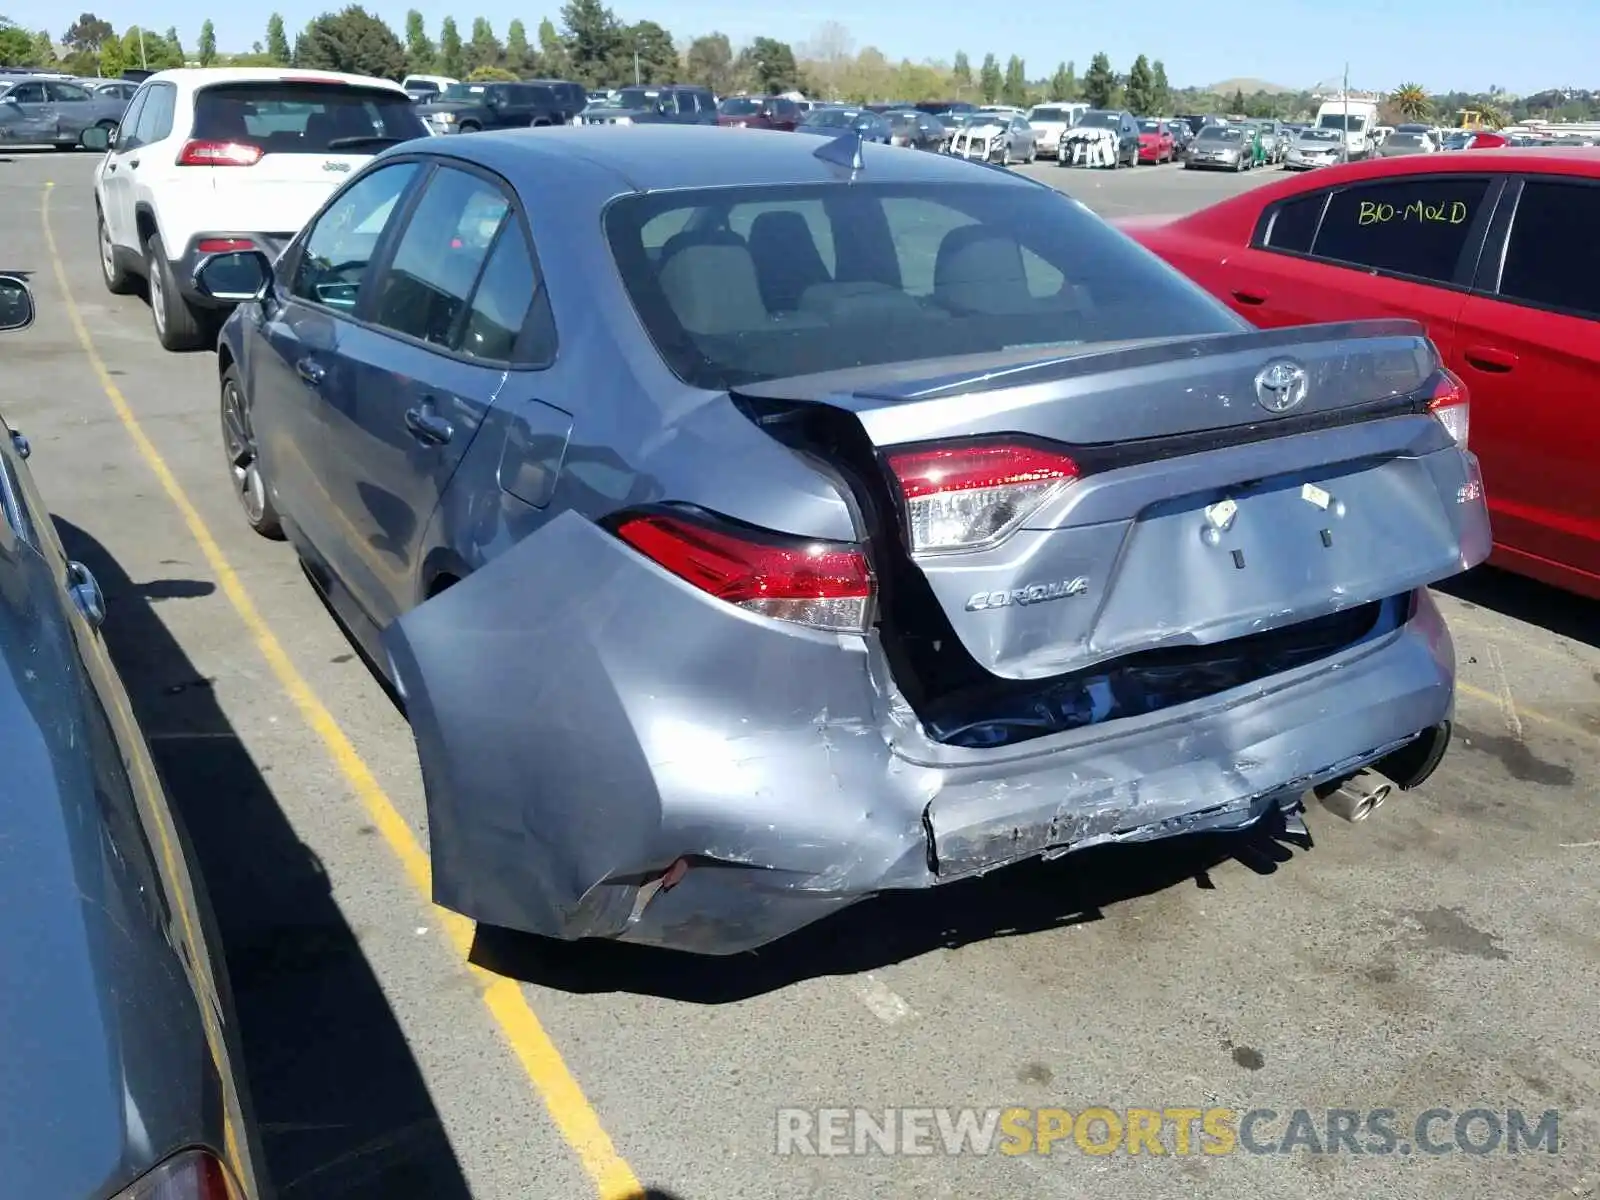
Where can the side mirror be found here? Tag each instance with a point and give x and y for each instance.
(16, 303)
(96, 138)
(237, 276)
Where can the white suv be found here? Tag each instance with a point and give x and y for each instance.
(229, 161)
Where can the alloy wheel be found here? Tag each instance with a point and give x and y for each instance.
(239, 445)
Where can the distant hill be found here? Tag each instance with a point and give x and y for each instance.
(1249, 87)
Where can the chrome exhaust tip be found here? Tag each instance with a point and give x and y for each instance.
(1358, 797)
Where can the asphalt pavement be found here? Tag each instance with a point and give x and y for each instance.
(1442, 955)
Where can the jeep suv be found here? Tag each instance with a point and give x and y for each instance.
(470, 107)
(672, 105)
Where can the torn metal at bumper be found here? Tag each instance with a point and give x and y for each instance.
(578, 741)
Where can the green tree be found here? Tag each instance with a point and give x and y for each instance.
(519, 55)
(1160, 89)
(114, 59)
(88, 33)
(1064, 83)
(490, 75)
(352, 40)
(16, 45)
(961, 70)
(552, 51)
(769, 64)
(450, 57)
(1139, 87)
(989, 79)
(657, 56)
(207, 52)
(44, 49)
(1015, 87)
(593, 39)
(484, 48)
(709, 61)
(1412, 101)
(277, 40)
(420, 53)
(1099, 84)
(173, 55)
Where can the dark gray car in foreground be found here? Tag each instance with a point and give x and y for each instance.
(755, 524)
(118, 1077)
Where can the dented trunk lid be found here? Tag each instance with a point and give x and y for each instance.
(1201, 515)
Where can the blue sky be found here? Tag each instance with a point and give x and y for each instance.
(1443, 44)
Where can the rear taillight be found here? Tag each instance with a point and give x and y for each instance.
(965, 497)
(192, 1175)
(219, 154)
(825, 585)
(1452, 406)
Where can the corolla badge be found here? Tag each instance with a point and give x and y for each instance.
(1032, 593)
(1281, 385)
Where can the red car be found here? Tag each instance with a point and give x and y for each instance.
(1156, 143)
(759, 112)
(1496, 255)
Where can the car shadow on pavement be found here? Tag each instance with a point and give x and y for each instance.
(340, 1102)
(1524, 599)
(1029, 897)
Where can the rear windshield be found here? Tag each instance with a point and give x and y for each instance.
(741, 106)
(637, 98)
(736, 285)
(1101, 120)
(305, 118)
(1216, 133)
(1048, 114)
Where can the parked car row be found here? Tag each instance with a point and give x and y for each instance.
(55, 110)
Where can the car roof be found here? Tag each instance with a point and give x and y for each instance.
(199, 77)
(666, 157)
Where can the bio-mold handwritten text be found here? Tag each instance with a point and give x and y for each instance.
(1445, 212)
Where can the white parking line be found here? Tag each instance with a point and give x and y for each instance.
(1508, 706)
(882, 1000)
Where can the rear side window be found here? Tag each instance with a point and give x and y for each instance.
(1293, 225)
(741, 284)
(304, 118)
(426, 290)
(500, 304)
(1413, 227)
(1553, 258)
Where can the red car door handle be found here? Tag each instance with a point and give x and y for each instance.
(1244, 297)
(1489, 358)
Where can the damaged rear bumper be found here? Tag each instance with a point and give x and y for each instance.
(574, 750)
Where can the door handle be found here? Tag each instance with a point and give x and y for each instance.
(133, 163)
(111, 166)
(311, 371)
(1491, 359)
(1250, 297)
(427, 426)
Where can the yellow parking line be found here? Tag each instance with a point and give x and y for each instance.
(562, 1096)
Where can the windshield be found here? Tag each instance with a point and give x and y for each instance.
(464, 91)
(1216, 133)
(1319, 135)
(1100, 120)
(722, 316)
(305, 118)
(741, 106)
(1406, 139)
(1150, 126)
(1048, 114)
(832, 118)
(637, 98)
(1353, 122)
(902, 120)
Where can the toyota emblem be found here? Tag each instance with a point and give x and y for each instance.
(1281, 385)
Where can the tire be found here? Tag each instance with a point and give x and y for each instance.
(244, 464)
(179, 326)
(118, 279)
(470, 127)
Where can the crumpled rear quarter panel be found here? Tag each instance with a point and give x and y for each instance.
(585, 718)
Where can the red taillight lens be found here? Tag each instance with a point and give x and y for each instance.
(192, 1175)
(219, 154)
(961, 498)
(224, 245)
(821, 584)
(1451, 404)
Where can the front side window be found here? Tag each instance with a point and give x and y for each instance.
(127, 138)
(27, 93)
(424, 293)
(1415, 227)
(1552, 258)
(333, 265)
(741, 284)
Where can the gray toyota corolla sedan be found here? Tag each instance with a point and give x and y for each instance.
(755, 524)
